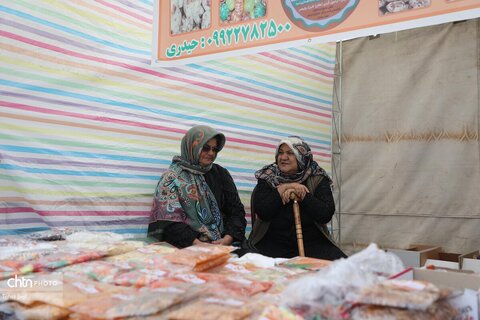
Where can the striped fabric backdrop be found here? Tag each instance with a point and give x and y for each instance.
(87, 125)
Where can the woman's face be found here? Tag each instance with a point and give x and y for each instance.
(208, 153)
(286, 161)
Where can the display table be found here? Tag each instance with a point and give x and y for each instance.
(104, 276)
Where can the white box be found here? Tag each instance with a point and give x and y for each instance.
(416, 254)
(442, 264)
(471, 264)
(450, 260)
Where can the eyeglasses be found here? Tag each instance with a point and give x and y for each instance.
(207, 148)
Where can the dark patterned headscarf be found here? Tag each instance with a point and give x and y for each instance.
(182, 194)
(306, 165)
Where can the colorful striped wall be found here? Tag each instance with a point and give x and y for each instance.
(87, 125)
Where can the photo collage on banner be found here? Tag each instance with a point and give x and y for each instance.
(200, 30)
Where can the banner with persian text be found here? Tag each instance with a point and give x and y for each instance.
(194, 30)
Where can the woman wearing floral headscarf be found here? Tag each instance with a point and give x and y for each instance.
(195, 199)
(294, 171)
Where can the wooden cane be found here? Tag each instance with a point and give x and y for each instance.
(298, 224)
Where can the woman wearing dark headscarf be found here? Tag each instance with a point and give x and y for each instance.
(294, 171)
(196, 200)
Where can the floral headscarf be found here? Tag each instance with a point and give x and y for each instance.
(182, 194)
(306, 165)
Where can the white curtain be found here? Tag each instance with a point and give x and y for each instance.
(410, 157)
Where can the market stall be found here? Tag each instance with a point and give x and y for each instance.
(85, 275)
(88, 125)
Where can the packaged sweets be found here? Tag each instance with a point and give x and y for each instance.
(274, 312)
(305, 263)
(64, 257)
(408, 294)
(53, 234)
(146, 253)
(38, 311)
(23, 249)
(140, 303)
(59, 290)
(236, 285)
(201, 257)
(79, 290)
(140, 277)
(212, 308)
(98, 270)
(440, 310)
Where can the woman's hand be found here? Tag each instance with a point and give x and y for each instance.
(225, 241)
(197, 241)
(286, 195)
(301, 191)
(287, 188)
(283, 187)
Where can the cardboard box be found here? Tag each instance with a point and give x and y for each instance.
(450, 260)
(443, 264)
(417, 254)
(458, 280)
(471, 262)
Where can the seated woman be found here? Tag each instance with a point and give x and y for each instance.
(196, 200)
(294, 171)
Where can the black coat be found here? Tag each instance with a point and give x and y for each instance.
(280, 239)
(221, 184)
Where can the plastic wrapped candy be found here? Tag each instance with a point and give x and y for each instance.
(201, 257)
(324, 293)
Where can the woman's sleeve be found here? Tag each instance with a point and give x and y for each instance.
(233, 210)
(267, 201)
(320, 206)
(180, 234)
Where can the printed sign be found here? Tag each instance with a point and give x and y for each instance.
(194, 30)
